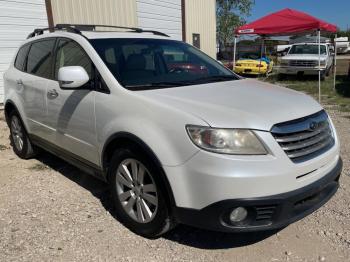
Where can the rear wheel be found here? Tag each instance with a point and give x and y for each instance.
(138, 194)
(19, 137)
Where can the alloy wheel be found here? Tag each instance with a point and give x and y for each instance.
(17, 133)
(137, 191)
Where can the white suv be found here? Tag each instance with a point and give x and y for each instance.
(179, 138)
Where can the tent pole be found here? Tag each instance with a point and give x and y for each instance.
(234, 53)
(319, 65)
(261, 51)
(335, 60)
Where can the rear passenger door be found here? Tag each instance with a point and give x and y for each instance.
(38, 66)
(71, 115)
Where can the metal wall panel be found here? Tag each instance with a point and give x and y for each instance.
(109, 12)
(161, 15)
(201, 19)
(17, 19)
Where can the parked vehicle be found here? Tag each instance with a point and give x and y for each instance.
(253, 64)
(208, 149)
(303, 59)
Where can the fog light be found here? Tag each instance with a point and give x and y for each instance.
(238, 214)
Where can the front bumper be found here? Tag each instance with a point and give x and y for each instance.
(300, 70)
(251, 70)
(265, 213)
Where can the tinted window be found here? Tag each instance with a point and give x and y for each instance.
(21, 57)
(69, 53)
(158, 63)
(40, 58)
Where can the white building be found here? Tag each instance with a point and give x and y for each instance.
(193, 21)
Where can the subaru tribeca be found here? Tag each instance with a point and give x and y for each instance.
(178, 137)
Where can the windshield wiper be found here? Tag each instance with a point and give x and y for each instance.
(156, 85)
(209, 79)
(217, 78)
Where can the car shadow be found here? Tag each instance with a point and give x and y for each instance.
(182, 234)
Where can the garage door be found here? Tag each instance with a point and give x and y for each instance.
(17, 19)
(161, 15)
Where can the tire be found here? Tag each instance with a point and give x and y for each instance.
(19, 137)
(131, 198)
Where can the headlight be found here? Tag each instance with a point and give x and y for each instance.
(226, 141)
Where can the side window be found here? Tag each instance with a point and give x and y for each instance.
(69, 53)
(39, 60)
(21, 57)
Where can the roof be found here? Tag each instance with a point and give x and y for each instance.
(286, 22)
(305, 43)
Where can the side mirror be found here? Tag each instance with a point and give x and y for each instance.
(72, 77)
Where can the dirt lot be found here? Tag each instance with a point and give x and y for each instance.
(50, 211)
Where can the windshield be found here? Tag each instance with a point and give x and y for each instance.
(140, 64)
(307, 50)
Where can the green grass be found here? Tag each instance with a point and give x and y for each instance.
(338, 97)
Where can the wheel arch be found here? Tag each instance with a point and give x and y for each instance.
(8, 108)
(125, 139)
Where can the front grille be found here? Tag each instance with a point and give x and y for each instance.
(303, 63)
(304, 138)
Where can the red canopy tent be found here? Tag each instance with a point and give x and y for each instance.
(286, 22)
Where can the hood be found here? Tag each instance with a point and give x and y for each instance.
(304, 57)
(243, 103)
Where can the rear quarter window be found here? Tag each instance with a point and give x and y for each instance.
(21, 57)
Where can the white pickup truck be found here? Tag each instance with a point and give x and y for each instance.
(303, 59)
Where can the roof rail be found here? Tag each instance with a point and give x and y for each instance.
(40, 31)
(87, 27)
(77, 28)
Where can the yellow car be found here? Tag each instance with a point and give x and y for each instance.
(253, 64)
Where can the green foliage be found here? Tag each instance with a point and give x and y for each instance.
(230, 15)
(343, 34)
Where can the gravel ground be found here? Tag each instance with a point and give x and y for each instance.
(50, 211)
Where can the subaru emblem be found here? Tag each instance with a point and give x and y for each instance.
(313, 125)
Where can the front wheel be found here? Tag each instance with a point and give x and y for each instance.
(138, 194)
(19, 138)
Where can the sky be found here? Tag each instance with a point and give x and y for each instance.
(333, 11)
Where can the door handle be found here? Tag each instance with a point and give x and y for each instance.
(52, 94)
(19, 82)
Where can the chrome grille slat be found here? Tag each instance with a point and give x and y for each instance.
(301, 136)
(304, 138)
(303, 63)
(306, 143)
(310, 150)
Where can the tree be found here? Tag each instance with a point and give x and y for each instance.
(343, 33)
(230, 14)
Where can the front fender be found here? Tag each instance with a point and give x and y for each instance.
(171, 146)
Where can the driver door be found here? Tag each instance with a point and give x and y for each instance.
(71, 115)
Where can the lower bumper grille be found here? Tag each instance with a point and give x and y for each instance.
(265, 213)
(304, 138)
